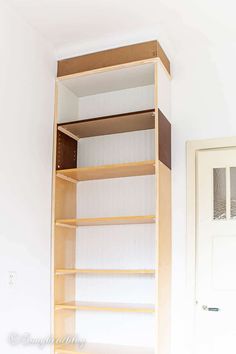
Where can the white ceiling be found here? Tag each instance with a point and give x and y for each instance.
(76, 26)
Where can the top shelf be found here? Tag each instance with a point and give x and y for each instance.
(120, 123)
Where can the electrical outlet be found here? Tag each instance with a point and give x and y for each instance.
(11, 279)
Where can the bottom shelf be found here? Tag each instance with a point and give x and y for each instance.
(93, 348)
(111, 307)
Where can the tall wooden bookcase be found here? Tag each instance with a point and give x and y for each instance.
(111, 239)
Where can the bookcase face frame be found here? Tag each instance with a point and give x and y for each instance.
(65, 221)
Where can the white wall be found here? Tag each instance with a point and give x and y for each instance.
(203, 106)
(27, 70)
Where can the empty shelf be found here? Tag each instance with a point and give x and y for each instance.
(110, 307)
(93, 348)
(119, 123)
(106, 271)
(109, 171)
(116, 220)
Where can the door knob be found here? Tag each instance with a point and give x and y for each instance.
(212, 309)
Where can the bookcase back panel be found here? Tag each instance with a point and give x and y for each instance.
(103, 288)
(116, 102)
(116, 197)
(116, 148)
(116, 247)
(126, 328)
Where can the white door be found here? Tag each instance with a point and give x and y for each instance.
(216, 252)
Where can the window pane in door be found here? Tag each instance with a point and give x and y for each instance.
(233, 192)
(219, 183)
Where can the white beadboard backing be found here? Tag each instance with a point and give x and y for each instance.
(116, 148)
(67, 104)
(116, 197)
(138, 289)
(116, 102)
(111, 80)
(116, 328)
(116, 247)
(164, 86)
(71, 108)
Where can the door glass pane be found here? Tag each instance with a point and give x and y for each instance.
(233, 192)
(219, 182)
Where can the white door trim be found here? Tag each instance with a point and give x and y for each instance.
(192, 148)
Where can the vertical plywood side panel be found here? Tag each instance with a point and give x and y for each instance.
(68, 105)
(163, 215)
(63, 249)
(164, 129)
(53, 212)
(164, 92)
(65, 199)
(164, 269)
(157, 207)
(66, 151)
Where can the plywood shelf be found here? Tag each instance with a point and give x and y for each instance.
(98, 348)
(109, 171)
(108, 307)
(106, 271)
(116, 220)
(120, 123)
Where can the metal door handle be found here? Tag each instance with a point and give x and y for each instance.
(212, 309)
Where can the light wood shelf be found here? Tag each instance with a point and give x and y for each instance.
(110, 307)
(116, 220)
(98, 348)
(108, 171)
(119, 123)
(106, 271)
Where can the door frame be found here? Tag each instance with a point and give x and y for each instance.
(192, 147)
